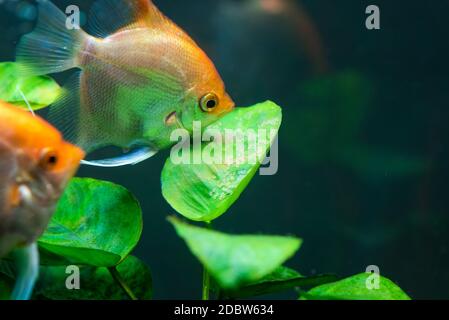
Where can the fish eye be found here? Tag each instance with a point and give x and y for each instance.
(209, 102)
(49, 159)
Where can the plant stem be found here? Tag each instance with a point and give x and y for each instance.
(118, 278)
(206, 275)
(206, 284)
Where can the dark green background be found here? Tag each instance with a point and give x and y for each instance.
(383, 91)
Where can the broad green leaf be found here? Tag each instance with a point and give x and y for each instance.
(281, 279)
(357, 288)
(95, 283)
(96, 223)
(203, 192)
(39, 91)
(234, 260)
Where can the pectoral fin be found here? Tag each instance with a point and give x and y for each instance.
(132, 158)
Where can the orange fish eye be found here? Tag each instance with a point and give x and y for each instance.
(209, 102)
(49, 159)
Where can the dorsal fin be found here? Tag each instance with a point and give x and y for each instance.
(109, 16)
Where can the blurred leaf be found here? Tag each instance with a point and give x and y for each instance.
(281, 279)
(375, 164)
(49, 258)
(355, 288)
(203, 192)
(40, 91)
(234, 260)
(326, 127)
(327, 116)
(7, 268)
(95, 283)
(96, 223)
(6, 285)
(281, 273)
(6, 279)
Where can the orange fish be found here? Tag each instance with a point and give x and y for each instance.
(35, 166)
(141, 77)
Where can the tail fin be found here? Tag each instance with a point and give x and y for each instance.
(52, 47)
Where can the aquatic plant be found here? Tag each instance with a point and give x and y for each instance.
(40, 91)
(97, 224)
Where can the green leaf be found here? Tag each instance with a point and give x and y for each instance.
(95, 283)
(203, 192)
(234, 260)
(357, 288)
(281, 279)
(40, 91)
(96, 223)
